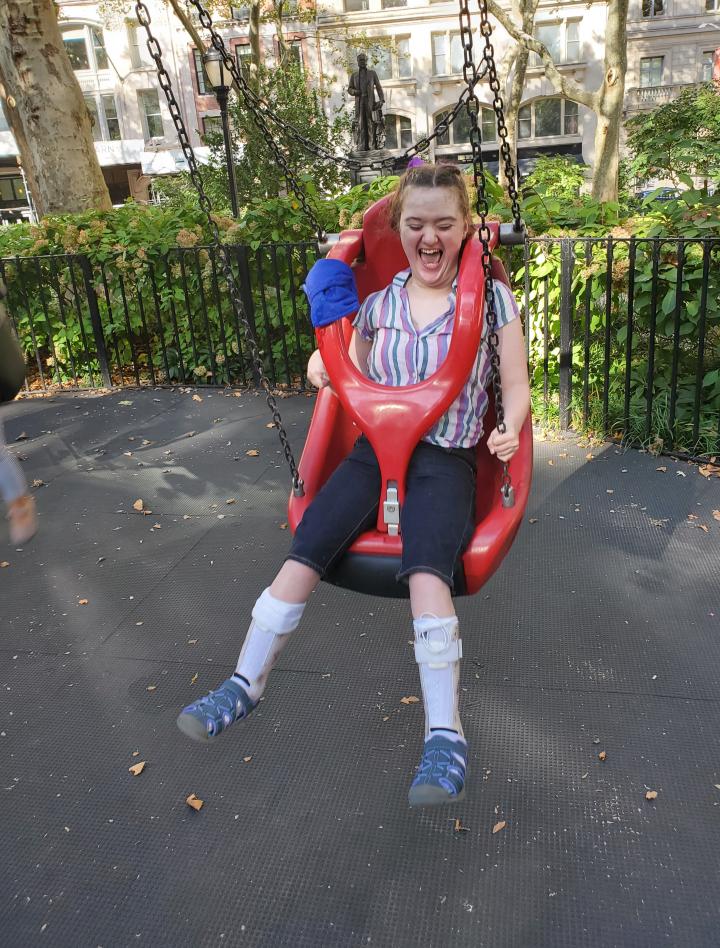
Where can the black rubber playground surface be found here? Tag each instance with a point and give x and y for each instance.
(601, 633)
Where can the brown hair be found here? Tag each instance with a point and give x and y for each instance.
(430, 176)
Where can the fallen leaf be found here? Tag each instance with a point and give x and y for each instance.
(693, 517)
(270, 424)
(533, 520)
(701, 526)
(138, 505)
(589, 457)
(252, 453)
(459, 828)
(194, 802)
(137, 769)
(197, 398)
(247, 760)
(602, 755)
(231, 501)
(499, 826)
(551, 462)
(716, 514)
(609, 490)
(651, 795)
(22, 436)
(83, 602)
(38, 483)
(411, 699)
(151, 687)
(125, 402)
(662, 469)
(156, 526)
(192, 641)
(146, 512)
(283, 526)
(194, 678)
(188, 434)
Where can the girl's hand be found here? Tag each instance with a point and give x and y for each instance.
(503, 445)
(316, 372)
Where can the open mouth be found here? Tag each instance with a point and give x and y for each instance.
(431, 258)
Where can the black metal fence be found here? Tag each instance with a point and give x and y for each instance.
(623, 333)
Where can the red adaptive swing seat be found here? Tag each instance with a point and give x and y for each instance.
(394, 419)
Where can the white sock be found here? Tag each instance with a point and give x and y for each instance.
(272, 621)
(437, 651)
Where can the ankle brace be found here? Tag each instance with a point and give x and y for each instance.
(273, 620)
(438, 651)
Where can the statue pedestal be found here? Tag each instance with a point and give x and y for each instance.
(367, 173)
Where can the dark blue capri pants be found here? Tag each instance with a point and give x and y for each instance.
(437, 519)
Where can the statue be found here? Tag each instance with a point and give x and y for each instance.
(368, 124)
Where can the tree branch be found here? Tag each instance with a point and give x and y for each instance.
(566, 87)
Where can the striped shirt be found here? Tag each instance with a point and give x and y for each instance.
(403, 355)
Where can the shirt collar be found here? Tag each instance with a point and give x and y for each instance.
(401, 279)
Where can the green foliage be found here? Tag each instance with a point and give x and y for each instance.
(555, 176)
(679, 138)
(259, 177)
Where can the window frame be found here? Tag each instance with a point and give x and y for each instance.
(89, 32)
(707, 59)
(486, 113)
(649, 59)
(142, 95)
(447, 36)
(202, 83)
(137, 49)
(399, 130)
(564, 41)
(648, 11)
(528, 111)
(99, 111)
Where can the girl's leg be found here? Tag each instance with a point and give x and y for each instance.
(437, 651)
(276, 613)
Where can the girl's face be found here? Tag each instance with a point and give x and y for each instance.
(432, 229)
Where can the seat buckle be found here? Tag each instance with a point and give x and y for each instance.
(391, 509)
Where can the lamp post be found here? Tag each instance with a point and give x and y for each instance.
(220, 79)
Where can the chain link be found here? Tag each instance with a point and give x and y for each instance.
(143, 16)
(482, 207)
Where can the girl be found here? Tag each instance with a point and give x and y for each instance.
(402, 334)
(21, 515)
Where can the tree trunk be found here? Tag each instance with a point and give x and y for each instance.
(609, 105)
(46, 111)
(606, 101)
(518, 58)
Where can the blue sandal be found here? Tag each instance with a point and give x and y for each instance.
(213, 714)
(440, 776)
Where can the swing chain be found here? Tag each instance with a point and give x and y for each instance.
(143, 16)
(482, 209)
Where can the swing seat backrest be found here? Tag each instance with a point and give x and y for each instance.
(394, 419)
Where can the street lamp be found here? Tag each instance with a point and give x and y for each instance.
(221, 81)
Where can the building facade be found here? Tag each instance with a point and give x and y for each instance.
(418, 57)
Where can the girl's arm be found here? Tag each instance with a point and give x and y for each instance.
(515, 390)
(359, 350)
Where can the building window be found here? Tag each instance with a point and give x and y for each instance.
(387, 4)
(203, 85)
(706, 65)
(398, 131)
(392, 63)
(651, 69)
(653, 7)
(240, 13)
(12, 191)
(103, 118)
(352, 6)
(712, 6)
(548, 118)
(85, 47)
(149, 103)
(295, 53)
(243, 58)
(211, 125)
(561, 39)
(137, 46)
(447, 54)
(459, 132)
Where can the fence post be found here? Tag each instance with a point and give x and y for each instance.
(247, 301)
(567, 264)
(95, 321)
